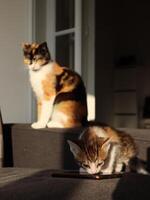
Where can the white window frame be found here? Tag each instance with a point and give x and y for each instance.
(31, 37)
(51, 34)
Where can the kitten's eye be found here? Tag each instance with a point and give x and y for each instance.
(100, 163)
(85, 165)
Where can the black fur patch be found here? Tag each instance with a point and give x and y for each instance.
(78, 94)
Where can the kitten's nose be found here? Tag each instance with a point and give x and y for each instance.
(93, 169)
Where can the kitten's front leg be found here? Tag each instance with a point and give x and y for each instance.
(108, 170)
(119, 167)
(112, 160)
(46, 111)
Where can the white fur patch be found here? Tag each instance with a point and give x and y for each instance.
(93, 169)
(59, 117)
(112, 160)
(54, 124)
(36, 78)
(99, 132)
(46, 111)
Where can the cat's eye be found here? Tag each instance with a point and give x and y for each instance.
(34, 58)
(42, 51)
(84, 165)
(100, 163)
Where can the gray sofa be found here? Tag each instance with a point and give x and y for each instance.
(37, 154)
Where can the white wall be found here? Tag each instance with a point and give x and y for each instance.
(15, 94)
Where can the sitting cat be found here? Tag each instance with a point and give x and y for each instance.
(104, 150)
(60, 92)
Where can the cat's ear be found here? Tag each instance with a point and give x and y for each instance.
(106, 144)
(43, 45)
(74, 148)
(43, 49)
(25, 45)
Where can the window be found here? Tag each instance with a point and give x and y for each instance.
(64, 32)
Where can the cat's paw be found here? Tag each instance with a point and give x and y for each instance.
(53, 124)
(38, 125)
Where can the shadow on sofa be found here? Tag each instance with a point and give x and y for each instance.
(29, 184)
(133, 187)
(8, 153)
(40, 184)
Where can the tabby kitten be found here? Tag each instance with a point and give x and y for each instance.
(60, 92)
(103, 150)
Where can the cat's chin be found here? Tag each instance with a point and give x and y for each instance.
(38, 125)
(35, 69)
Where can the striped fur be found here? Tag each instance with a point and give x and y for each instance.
(60, 92)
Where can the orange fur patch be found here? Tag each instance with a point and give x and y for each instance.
(40, 62)
(102, 154)
(57, 69)
(68, 82)
(50, 81)
(112, 134)
(34, 46)
(26, 61)
(49, 87)
(74, 111)
(129, 148)
(67, 85)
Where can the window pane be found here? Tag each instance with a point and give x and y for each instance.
(64, 14)
(65, 50)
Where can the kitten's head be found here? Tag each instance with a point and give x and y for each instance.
(90, 155)
(36, 55)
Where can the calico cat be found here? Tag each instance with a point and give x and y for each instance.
(60, 92)
(103, 150)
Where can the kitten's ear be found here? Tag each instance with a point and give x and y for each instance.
(74, 148)
(106, 144)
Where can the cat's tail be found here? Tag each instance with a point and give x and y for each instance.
(139, 166)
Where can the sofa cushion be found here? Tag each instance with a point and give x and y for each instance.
(48, 148)
(37, 184)
(43, 148)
